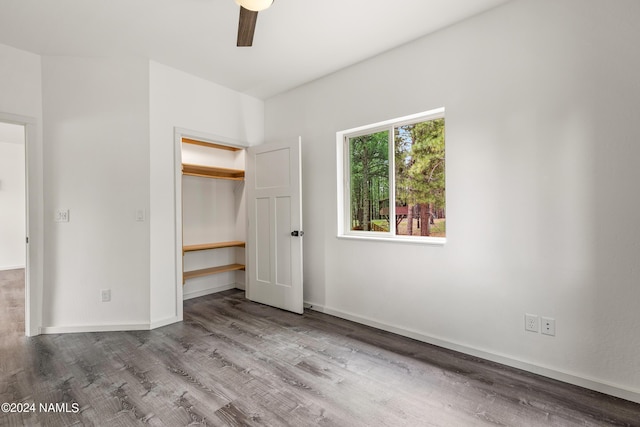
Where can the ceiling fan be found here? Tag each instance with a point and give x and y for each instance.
(248, 16)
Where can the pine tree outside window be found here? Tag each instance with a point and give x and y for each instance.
(400, 160)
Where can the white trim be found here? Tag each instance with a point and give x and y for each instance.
(391, 154)
(12, 267)
(209, 137)
(95, 328)
(208, 291)
(343, 181)
(164, 322)
(177, 184)
(415, 240)
(546, 371)
(436, 113)
(34, 270)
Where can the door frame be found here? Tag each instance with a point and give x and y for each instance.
(178, 134)
(34, 221)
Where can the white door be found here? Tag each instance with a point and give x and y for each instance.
(274, 238)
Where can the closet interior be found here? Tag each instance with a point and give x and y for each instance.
(213, 217)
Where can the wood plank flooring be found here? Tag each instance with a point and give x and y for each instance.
(236, 363)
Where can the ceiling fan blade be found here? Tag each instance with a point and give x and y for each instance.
(246, 27)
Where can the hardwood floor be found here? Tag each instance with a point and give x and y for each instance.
(234, 362)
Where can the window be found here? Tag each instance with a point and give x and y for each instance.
(403, 161)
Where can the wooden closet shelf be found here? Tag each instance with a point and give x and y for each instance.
(209, 144)
(216, 245)
(212, 172)
(212, 270)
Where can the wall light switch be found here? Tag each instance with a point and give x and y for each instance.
(62, 215)
(140, 215)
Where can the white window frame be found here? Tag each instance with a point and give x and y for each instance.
(344, 179)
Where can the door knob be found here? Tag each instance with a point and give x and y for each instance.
(296, 233)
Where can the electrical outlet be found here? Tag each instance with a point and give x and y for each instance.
(105, 295)
(531, 322)
(548, 326)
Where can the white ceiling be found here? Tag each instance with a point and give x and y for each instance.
(296, 41)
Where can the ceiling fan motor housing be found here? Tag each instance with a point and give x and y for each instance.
(255, 5)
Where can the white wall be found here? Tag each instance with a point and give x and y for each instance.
(542, 100)
(20, 84)
(107, 156)
(97, 166)
(12, 200)
(21, 101)
(181, 100)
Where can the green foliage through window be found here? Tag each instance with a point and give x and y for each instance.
(414, 177)
(419, 173)
(369, 174)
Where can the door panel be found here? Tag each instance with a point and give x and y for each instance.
(283, 241)
(269, 177)
(274, 255)
(263, 240)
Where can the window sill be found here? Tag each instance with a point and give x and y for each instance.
(432, 241)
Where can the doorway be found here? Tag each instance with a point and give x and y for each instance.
(210, 213)
(33, 217)
(13, 247)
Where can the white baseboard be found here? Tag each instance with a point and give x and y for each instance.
(105, 328)
(94, 328)
(589, 383)
(203, 292)
(11, 267)
(164, 322)
(136, 326)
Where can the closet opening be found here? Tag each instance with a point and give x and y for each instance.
(212, 218)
